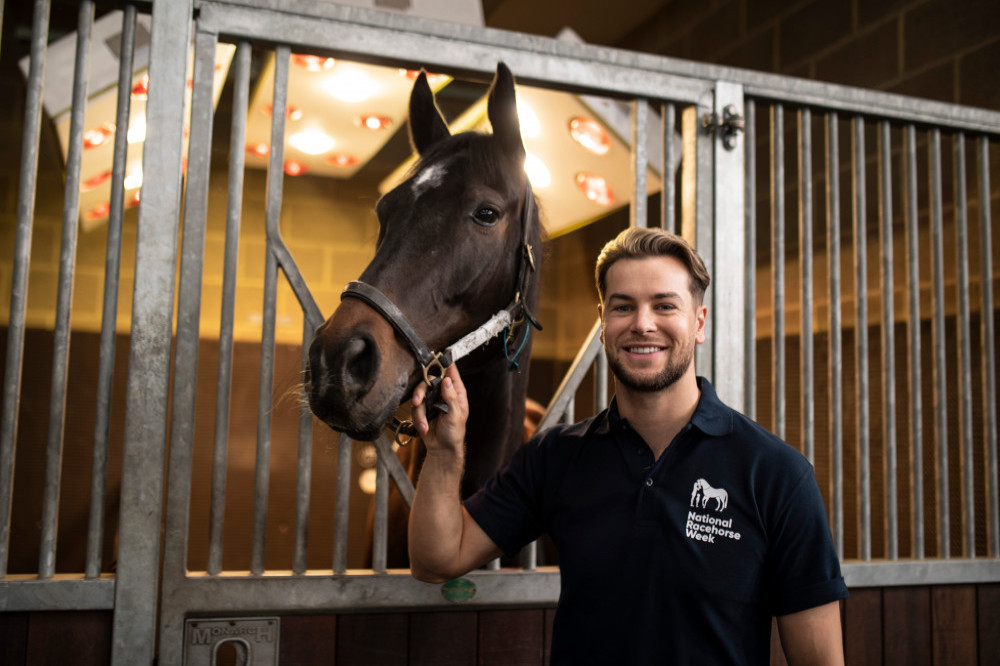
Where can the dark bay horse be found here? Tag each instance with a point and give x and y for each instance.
(453, 276)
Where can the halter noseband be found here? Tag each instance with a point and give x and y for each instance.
(433, 363)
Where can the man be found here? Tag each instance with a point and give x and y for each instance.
(682, 526)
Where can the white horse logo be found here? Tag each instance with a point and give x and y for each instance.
(702, 492)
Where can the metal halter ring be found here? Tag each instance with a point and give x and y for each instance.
(399, 432)
(434, 363)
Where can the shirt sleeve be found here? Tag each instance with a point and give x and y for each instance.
(508, 508)
(803, 570)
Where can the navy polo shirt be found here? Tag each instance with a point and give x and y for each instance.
(675, 561)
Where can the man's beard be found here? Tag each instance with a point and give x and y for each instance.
(674, 370)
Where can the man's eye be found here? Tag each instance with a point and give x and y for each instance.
(487, 216)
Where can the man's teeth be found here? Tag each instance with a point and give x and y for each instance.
(644, 350)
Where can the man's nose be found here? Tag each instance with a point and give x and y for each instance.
(644, 320)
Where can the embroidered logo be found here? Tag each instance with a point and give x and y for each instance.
(706, 527)
(703, 492)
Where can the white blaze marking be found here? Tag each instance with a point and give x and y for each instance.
(428, 178)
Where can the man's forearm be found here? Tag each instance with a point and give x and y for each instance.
(436, 519)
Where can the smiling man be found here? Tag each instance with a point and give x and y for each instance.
(682, 526)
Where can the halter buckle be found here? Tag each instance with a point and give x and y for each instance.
(440, 362)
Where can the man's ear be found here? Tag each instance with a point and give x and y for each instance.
(701, 316)
(600, 315)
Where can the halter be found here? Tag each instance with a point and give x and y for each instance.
(433, 364)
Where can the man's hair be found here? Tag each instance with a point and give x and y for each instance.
(643, 242)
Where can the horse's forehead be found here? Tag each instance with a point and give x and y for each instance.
(429, 177)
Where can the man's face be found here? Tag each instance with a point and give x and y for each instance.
(651, 322)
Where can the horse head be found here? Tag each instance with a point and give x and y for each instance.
(453, 240)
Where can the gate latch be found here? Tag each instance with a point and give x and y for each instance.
(731, 125)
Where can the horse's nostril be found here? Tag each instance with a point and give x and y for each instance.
(360, 364)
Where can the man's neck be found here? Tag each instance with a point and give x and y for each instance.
(658, 416)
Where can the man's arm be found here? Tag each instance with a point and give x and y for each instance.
(445, 542)
(813, 636)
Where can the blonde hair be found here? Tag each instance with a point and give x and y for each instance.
(643, 242)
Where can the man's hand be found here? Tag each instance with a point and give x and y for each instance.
(447, 433)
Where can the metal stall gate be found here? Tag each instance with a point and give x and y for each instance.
(893, 491)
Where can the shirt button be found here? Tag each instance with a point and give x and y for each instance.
(649, 481)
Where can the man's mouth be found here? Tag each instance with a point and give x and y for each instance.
(645, 349)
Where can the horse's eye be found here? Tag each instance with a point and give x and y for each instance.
(486, 216)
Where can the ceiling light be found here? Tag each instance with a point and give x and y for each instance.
(595, 188)
(537, 172)
(293, 168)
(94, 181)
(313, 63)
(530, 127)
(98, 135)
(312, 142)
(291, 112)
(373, 122)
(589, 134)
(350, 85)
(141, 89)
(259, 149)
(342, 160)
(98, 211)
(134, 178)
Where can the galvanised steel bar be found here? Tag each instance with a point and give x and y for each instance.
(380, 526)
(342, 511)
(940, 377)
(304, 471)
(832, 139)
(861, 390)
(668, 192)
(988, 355)
(778, 411)
(19, 277)
(913, 357)
(569, 416)
(138, 570)
(640, 129)
(275, 181)
(573, 378)
(750, 274)
(964, 350)
(600, 382)
(217, 509)
(109, 316)
(888, 329)
(64, 296)
(807, 356)
(182, 412)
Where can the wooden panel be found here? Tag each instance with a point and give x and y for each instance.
(907, 621)
(377, 639)
(443, 638)
(777, 653)
(954, 624)
(307, 640)
(550, 617)
(511, 637)
(69, 637)
(13, 638)
(863, 627)
(989, 624)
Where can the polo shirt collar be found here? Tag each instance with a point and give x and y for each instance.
(711, 416)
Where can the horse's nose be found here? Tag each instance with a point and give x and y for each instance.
(350, 366)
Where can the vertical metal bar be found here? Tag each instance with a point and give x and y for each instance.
(64, 297)
(19, 277)
(109, 316)
(836, 353)
(600, 382)
(888, 341)
(137, 574)
(913, 357)
(750, 273)
(342, 511)
(381, 523)
(778, 266)
(988, 355)
(861, 332)
(640, 128)
(569, 416)
(938, 340)
(964, 349)
(807, 369)
(668, 194)
(304, 473)
(224, 377)
(182, 412)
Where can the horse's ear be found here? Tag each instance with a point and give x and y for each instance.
(427, 125)
(502, 112)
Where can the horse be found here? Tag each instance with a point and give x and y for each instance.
(703, 492)
(454, 269)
